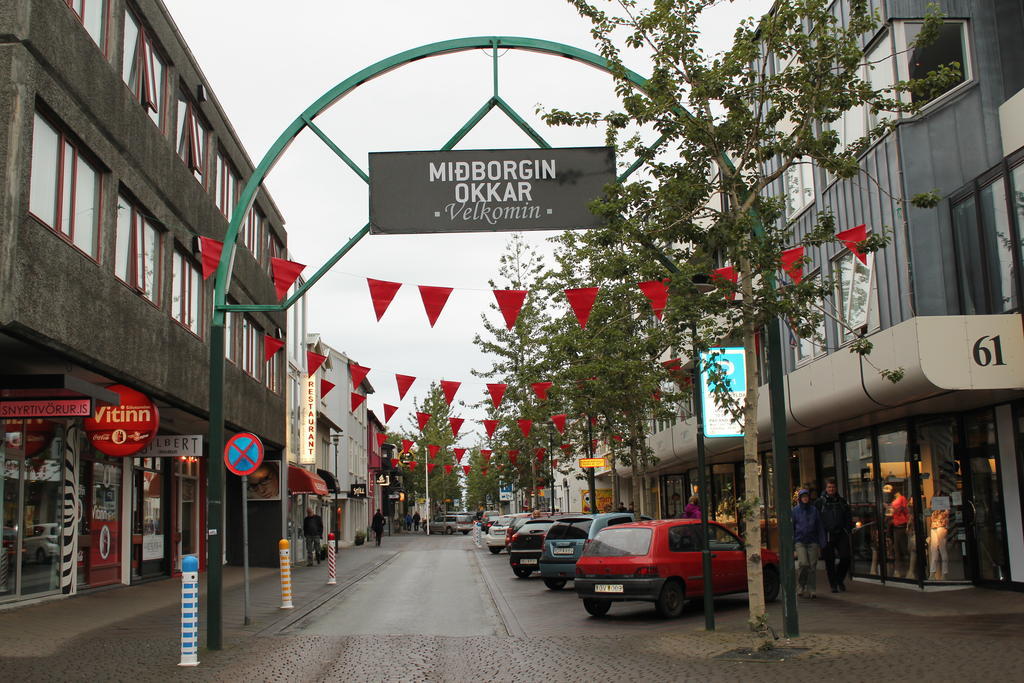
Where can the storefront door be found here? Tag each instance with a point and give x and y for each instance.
(148, 519)
(99, 538)
(942, 491)
(186, 532)
(986, 521)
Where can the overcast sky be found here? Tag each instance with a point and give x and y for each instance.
(267, 61)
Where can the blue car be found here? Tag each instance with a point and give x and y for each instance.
(565, 541)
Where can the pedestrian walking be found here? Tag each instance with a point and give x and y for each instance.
(838, 523)
(377, 525)
(809, 537)
(416, 521)
(408, 522)
(313, 530)
(692, 510)
(622, 507)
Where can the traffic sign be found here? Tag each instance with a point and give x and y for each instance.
(593, 462)
(243, 453)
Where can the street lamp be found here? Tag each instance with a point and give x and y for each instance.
(336, 439)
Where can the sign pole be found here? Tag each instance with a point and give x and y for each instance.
(702, 484)
(246, 618)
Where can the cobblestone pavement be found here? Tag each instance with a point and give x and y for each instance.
(527, 633)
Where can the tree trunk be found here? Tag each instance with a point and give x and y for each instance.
(750, 508)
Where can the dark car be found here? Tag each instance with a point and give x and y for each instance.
(660, 562)
(565, 541)
(525, 548)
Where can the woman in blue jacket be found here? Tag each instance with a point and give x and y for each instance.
(809, 537)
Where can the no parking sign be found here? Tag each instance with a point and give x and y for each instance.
(243, 453)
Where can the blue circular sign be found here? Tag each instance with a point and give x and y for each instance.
(243, 453)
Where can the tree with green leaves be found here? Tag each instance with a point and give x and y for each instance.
(731, 126)
(443, 486)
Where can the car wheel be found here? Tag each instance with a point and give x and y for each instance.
(555, 584)
(597, 608)
(671, 601)
(40, 556)
(464, 533)
(449, 531)
(495, 549)
(522, 572)
(771, 584)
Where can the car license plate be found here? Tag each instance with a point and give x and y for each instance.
(528, 561)
(563, 551)
(608, 588)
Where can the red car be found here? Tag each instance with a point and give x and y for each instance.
(660, 562)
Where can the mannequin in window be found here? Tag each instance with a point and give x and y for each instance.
(938, 548)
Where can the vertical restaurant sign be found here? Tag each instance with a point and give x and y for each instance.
(488, 190)
(307, 449)
(731, 371)
(124, 429)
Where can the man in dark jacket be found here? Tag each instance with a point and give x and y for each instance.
(838, 522)
(377, 525)
(313, 530)
(809, 537)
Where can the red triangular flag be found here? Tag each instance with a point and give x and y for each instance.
(485, 454)
(211, 250)
(404, 382)
(582, 302)
(559, 422)
(541, 389)
(422, 419)
(512, 455)
(510, 301)
(656, 395)
(490, 426)
(434, 299)
(524, 427)
(325, 387)
(567, 447)
(285, 274)
(411, 464)
(433, 450)
(672, 364)
(456, 423)
(447, 469)
(381, 440)
(459, 453)
(313, 362)
(406, 445)
(357, 400)
(790, 265)
(389, 410)
(430, 467)
(484, 471)
(381, 294)
(358, 373)
(540, 453)
(727, 274)
(593, 444)
(656, 292)
(395, 463)
(554, 463)
(271, 345)
(497, 391)
(449, 388)
(616, 437)
(852, 237)
(466, 469)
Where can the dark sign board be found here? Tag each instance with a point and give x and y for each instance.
(487, 190)
(357, 491)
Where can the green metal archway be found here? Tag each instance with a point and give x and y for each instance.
(215, 470)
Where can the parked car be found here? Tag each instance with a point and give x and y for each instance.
(41, 542)
(487, 518)
(518, 520)
(494, 536)
(565, 541)
(524, 550)
(660, 562)
(452, 522)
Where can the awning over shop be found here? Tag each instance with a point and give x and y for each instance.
(332, 483)
(54, 386)
(304, 481)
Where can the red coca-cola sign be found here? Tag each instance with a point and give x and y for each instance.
(125, 429)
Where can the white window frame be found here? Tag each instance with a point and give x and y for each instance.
(814, 348)
(226, 183)
(868, 320)
(903, 57)
(83, 9)
(144, 71)
(193, 137)
(798, 182)
(136, 234)
(187, 293)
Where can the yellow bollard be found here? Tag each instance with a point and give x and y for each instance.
(286, 574)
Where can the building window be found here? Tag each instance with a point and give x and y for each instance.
(274, 247)
(192, 136)
(225, 185)
(799, 181)
(272, 371)
(93, 15)
(252, 347)
(65, 187)
(856, 296)
(808, 348)
(138, 248)
(951, 46)
(144, 71)
(984, 245)
(252, 231)
(186, 292)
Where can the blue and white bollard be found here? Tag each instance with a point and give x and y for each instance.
(189, 611)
